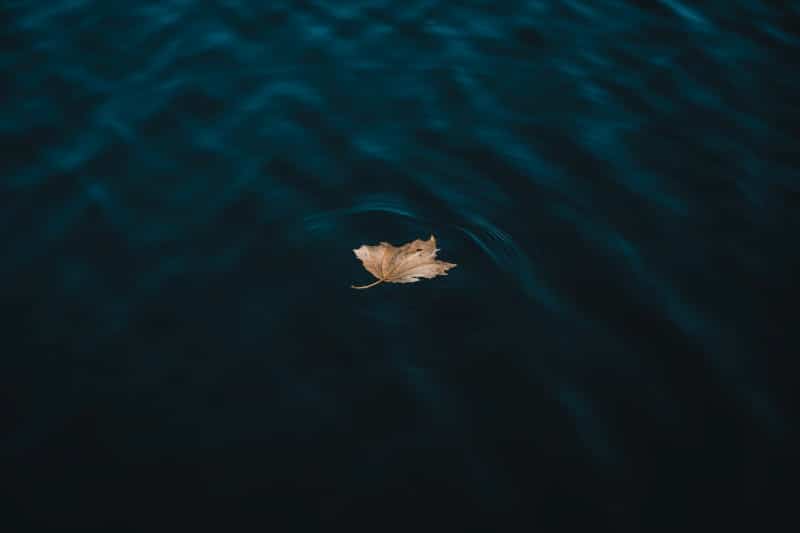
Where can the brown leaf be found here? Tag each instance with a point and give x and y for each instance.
(402, 264)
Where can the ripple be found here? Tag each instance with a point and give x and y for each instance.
(511, 258)
(374, 205)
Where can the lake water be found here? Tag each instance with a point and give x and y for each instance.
(182, 185)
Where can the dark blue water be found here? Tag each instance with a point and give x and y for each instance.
(181, 187)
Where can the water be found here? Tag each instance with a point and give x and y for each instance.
(182, 186)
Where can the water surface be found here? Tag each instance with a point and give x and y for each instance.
(181, 188)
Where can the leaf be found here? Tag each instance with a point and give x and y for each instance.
(402, 264)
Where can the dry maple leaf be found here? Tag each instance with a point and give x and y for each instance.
(402, 264)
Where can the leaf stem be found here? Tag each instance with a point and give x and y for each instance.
(367, 286)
